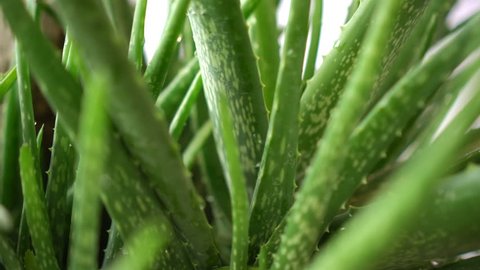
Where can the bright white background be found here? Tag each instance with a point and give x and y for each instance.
(334, 13)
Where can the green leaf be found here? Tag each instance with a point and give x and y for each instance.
(60, 178)
(29, 137)
(249, 6)
(237, 187)
(327, 85)
(26, 106)
(143, 248)
(39, 141)
(444, 228)
(264, 38)
(8, 258)
(228, 69)
(61, 173)
(7, 82)
(309, 209)
(119, 192)
(143, 129)
(373, 230)
(30, 261)
(197, 143)
(137, 38)
(372, 137)
(214, 179)
(183, 112)
(121, 17)
(156, 71)
(10, 187)
(436, 109)
(93, 152)
(52, 78)
(36, 212)
(413, 51)
(114, 246)
(467, 264)
(277, 169)
(171, 97)
(316, 28)
(352, 8)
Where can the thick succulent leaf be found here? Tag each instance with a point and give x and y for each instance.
(137, 37)
(171, 97)
(118, 192)
(93, 153)
(444, 228)
(277, 168)
(36, 212)
(264, 38)
(61, 175)
(237, 187)
(467, 264)
(143, 247)
(373, 230)
(7, 82)
(121, 16)
(185, 108)
(197, 143)
(314, 40)
(141, 126)
(310, 207)
(372, 137)
(415, 46)
(10, 188)
(327, 85)
(156, 71)
(8, 258)
(228, 68)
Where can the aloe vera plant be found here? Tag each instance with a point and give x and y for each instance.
(234, 147)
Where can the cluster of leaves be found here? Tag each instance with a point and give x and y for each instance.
(276, 166)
